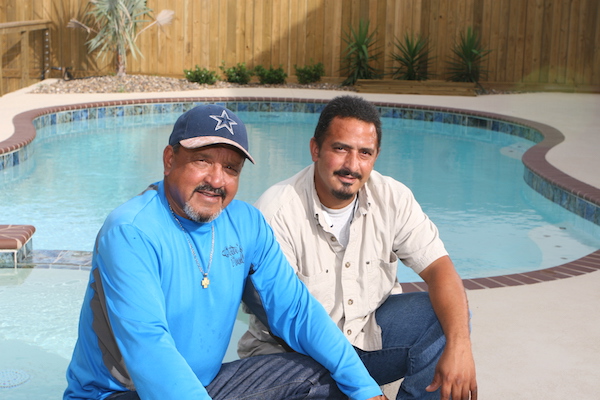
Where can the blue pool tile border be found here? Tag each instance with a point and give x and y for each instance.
(572, 194)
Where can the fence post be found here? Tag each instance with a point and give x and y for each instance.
(24, 58)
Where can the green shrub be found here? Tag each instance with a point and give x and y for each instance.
(201, 75)
(237, 74)
(465, 65)
(413, 58)
(271, 76)
(310, 73)
(359, 54)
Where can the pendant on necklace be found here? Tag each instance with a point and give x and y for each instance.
(205, 281)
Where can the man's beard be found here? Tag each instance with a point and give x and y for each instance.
(203, 218)
(345, 193)
(197, 217)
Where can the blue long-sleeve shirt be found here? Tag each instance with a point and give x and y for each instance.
(147, 324)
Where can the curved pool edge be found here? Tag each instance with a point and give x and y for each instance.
(570, 193)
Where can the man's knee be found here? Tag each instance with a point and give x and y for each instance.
(404, 318)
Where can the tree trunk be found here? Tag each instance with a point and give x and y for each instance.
(121, 64)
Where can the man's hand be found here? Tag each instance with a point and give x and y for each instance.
(455, 375)
(455, 370)
(380, 397)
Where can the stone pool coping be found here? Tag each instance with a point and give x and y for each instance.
(572, 194)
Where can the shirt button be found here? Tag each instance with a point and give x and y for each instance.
(333, 239)
(347, 265)
(349, 332)
(350, 301)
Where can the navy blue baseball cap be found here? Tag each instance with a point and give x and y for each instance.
(210, 124)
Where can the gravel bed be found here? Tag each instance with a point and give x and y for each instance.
(148, 83)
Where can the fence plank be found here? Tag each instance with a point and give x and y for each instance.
(594, 65)
(295, 37)
(217, 33)
(528, 40)
(285, 37)
(248, 55)
(517, 20)
(571, 51)
(533, 43)
(319, 27)
(565, 17)
(590, 43)
(555, 36)
(186, 47)
(431, 28)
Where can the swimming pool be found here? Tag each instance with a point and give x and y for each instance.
(467, 177)
(39, 307)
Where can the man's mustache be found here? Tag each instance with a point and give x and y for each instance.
(208, 188)
(346, 172)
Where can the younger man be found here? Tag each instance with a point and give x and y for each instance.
(343, 227)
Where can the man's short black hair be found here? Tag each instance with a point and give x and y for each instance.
(347, 107)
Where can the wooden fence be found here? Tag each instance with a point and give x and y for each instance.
(20, 43)
(552, 44)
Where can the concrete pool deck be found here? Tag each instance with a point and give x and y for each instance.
(530, 341)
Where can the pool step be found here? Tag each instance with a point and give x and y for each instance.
(15, 244)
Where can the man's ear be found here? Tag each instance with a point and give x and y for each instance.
(168, 154)
(314, 149)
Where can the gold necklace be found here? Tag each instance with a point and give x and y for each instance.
(205, 281)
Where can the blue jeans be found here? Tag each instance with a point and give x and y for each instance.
(286, 376)
(413, 342)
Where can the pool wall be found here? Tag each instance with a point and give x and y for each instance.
(576, 196)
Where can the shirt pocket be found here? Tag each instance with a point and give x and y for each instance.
(381, 278)
(322, 286)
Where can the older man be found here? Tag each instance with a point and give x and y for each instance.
(168, 271)
(343, 226)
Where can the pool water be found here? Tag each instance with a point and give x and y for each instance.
(39, 312)
(468, 180)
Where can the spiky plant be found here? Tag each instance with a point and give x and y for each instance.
(360, 53)
(465, 65)
(116, 24)
(413, 58)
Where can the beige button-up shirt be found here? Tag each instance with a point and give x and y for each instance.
(352, 282)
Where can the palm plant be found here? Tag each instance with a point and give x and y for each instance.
(116, 24)
(413, 58)
(359, 55)
(469, 53)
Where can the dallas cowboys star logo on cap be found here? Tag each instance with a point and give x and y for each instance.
(223, 121)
